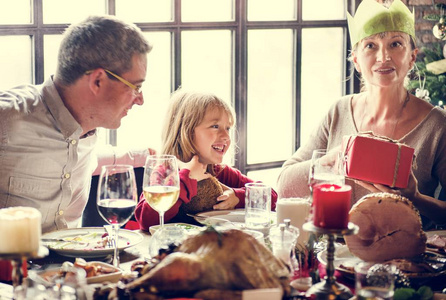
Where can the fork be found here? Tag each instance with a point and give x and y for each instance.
(111, 238)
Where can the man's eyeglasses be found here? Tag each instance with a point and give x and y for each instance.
(136, 89)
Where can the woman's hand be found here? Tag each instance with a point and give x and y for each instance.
(197, 170)
(331, 158)
(411, 191)
(228, 200)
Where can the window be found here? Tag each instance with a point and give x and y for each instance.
(281, 64)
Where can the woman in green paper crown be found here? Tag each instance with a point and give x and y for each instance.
(384, 53)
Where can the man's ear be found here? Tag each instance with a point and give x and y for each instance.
(95, 80)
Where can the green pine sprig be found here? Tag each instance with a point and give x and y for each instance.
(423, 293)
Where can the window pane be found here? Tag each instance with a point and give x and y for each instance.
(322, 74)
(142, 127)
(78, 10)
(268, 176)
(267, 10)
(50, 49)
(206, 62)
(144, 10)
(16, 61)
(205, 10)
(17, 13)
(323, 9)
(270, 95)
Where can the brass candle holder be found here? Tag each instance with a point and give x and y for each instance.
(329, 288)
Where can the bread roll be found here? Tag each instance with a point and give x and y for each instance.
(389, 228)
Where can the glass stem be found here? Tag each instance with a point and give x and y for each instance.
(116, 238)
(162, 219)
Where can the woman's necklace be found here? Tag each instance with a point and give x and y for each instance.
(397, 120)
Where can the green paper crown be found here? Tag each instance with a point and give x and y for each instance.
(372, 17)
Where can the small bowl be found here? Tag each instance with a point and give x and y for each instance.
(259, 236)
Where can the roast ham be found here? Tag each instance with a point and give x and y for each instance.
(389, 228)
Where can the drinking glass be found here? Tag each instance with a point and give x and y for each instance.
(161, 183)
(117, 199)
(324, 170)
(257, 206)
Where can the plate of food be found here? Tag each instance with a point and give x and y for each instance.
(436, 241)
(185, 226)
(92, 272)
(427, 265)
(88, 242)
(235, 216)
(344, 261)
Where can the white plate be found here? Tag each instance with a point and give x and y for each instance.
(188, 227)
(127, 239)
(232, 215)
(44, 277)
(344, 261)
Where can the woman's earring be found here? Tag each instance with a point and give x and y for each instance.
(421, 92)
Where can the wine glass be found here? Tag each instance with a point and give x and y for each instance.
(117, 199)
(325, 170)
(161, 183)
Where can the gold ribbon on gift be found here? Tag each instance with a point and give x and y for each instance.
(370, 134)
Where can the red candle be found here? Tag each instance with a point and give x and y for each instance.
(331, 205)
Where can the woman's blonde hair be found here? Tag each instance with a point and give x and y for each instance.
(186, 111)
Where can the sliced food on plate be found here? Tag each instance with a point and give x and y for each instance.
(93, 272)
(436, 240)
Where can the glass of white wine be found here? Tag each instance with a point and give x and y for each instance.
(161, 183)
(116, 199)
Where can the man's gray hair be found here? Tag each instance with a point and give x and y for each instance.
(99, 42)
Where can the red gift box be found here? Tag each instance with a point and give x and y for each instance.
(377, 160)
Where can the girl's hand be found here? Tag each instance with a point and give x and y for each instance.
(151, 151)
(228, 200)
(197, 170)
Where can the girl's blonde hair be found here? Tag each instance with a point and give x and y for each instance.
(186, 111)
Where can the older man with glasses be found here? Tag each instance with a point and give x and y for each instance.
(48, 131)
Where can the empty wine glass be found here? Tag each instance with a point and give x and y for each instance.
(161, 183)
(117, 199)
(325, 168)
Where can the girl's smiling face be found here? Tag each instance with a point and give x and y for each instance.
(384, 59)
(211, 137)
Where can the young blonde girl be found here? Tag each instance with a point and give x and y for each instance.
(197, 131)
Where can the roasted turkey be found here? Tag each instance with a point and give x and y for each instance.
(389, 228)
(213, 265)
